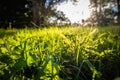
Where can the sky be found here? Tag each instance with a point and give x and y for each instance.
(75, 12)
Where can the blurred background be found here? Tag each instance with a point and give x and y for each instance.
(59, 12)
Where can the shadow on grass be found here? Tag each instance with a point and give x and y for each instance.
(7, 33)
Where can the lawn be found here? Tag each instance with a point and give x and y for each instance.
(68, 53)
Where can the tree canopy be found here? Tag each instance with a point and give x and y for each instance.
(103, 13)
(39, 12)
(15, 12)
(23, 12)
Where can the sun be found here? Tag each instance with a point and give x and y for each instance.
(76, 12)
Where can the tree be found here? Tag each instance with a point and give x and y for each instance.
(23, 12)
(118, 5)
(45, 8)
(97, 7)
(102, 14)
(15, 12)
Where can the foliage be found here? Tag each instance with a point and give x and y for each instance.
(102, 12)
(15, 13)
(28, 12)
(70, 53)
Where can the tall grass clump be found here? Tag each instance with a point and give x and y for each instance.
(69, 53)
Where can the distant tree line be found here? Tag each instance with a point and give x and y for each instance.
(105, 12)
(21, 13)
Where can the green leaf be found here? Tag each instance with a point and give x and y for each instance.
(6, 59)
(20, 63)
(33, 56)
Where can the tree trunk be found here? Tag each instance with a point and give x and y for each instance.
(118, 4)
(36, 15)
(38, 12)
(96, 11)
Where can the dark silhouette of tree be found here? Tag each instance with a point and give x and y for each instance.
(41, 11)
(23, 12)
(118, 5)
(14, 12)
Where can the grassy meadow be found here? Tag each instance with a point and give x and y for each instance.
(69, 53)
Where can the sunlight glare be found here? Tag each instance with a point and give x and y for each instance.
(76, 12)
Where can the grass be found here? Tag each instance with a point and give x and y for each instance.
(60, 53)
